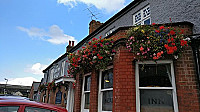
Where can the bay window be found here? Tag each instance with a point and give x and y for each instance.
(155, 87)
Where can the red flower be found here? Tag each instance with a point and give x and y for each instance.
(100, 57)
(161, 27)
(94, 39)
(172, 32)
(89, 42)
(173, 44)
(166, 46)
(170, 51)
(183, 42)
(168, 40)
(141, 48)
(102, 40)
(68, 72)
(153, 23)
(157, 31)
(158, 54)
(172, 39)
(94, 46)
(155, 58)
(175, 48)
(98, 54)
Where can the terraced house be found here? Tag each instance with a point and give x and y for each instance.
(166, 80)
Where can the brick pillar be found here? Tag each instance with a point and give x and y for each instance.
(94, 91)
(78, 90)
(186, 83)
(124, 95)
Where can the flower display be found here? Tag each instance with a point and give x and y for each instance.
(97, 54)
(153, 42)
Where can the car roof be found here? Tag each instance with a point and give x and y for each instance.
(30, 103)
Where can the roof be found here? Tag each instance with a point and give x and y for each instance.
(15, 86)
(119, 14)
(107, 23)
(56, 61)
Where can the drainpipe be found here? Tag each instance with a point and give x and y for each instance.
(195, 42)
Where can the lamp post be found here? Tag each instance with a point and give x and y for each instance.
(5, 85)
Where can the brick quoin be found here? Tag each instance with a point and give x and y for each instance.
(123, 81)
(94, 91)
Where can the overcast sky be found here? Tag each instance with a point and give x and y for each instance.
(33, 33)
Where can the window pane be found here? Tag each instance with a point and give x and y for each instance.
(147, 22)
(146, 12)
(9, 108)
(34, 109)
(58, 97)
(156, 101)
(155, 75)
(137, 17)
(87, 101)
(87, 83)
(107, 79)
(107, 100)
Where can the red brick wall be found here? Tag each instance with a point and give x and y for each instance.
(124, 91)
(186, 83)
(124, 81)
(94, 92)
(77, 94)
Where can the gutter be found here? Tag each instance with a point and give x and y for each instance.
(195, 44)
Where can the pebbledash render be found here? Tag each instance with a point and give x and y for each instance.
(125, 91)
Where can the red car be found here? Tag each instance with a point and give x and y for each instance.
(20, 105)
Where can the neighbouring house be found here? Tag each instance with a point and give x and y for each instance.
(158, 83)
(34, 94)
(57, 86)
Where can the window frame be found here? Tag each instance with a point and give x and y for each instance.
(83, 94)
(142, 18)
(100, 92)
(173, 88)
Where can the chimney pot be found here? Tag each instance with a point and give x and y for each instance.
(69, 43)
(72, 43)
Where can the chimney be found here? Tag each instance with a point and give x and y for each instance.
(70, 46)
(94, 25)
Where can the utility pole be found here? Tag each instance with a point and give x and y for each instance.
(5, 85)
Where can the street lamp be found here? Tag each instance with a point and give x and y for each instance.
(5, 85)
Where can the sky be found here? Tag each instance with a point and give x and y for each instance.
(34, 33)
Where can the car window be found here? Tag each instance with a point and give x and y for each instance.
(9, 108)
(35, 109)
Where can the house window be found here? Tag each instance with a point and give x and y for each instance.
(58, 97)
(86, 93)
(142, 17)
(110, 31)
(155, 87)
(106, 90)
(63, 68)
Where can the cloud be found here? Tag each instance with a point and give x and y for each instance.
(36, 69)
(26, 81)
(107, 5)
(55, 35)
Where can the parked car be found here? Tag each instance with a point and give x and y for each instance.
(19, 105)
(13, 97)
